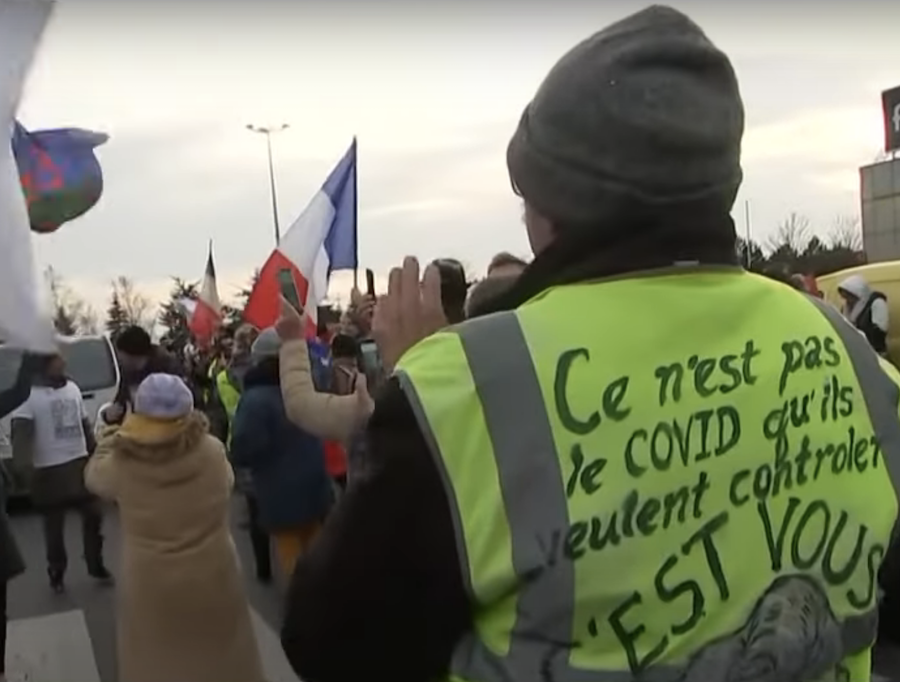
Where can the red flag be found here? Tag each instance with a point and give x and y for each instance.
(207, 316)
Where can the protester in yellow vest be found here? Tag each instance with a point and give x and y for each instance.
(649, 464)
(229, 394)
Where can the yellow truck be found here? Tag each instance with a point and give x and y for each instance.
(883, 277)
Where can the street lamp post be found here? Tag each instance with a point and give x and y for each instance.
(268, 131)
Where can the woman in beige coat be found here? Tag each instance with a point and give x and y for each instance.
(324, 415)
(182, 611)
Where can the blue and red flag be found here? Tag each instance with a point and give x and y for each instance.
(61, 176)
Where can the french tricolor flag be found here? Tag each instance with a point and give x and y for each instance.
(321, 240)
(206, 316)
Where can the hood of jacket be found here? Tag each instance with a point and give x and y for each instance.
(165, 444)
(856, 286)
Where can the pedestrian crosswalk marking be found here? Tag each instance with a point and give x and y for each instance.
(58, 648)
(55, 648)
(275, 665)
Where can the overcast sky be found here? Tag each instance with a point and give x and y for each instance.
(433, 92)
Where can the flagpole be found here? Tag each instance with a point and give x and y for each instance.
(267, 131)
(356, 214)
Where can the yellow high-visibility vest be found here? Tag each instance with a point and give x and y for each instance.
(230, 397)
(684, 476)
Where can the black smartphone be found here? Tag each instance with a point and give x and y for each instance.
(288, 286)
(370, 361)
(350, 374)
(370, 283)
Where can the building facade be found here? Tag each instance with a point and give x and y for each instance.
(880, 195)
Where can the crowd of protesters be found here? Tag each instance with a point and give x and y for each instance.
(402, 474)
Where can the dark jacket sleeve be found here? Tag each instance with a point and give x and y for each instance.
(252, 439)
(18, 393)
(379, 595)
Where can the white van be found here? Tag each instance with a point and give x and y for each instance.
(90, 362)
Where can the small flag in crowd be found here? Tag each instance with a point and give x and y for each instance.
(188, 306)
(321, 240)
(61, 176)
(206, 316)
(21, 321)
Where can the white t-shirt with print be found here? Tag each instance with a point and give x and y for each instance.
(58, 415)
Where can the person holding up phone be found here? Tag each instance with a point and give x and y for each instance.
(329, 416)
(286, 462)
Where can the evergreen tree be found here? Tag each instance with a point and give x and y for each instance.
(244, 294)
(233, 315)
(116, 316)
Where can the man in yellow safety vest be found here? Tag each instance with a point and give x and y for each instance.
(649, 464)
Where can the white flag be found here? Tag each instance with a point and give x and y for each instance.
(21, 321)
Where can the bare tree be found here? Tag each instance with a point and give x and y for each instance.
(136, 307)
(845, 233)
(71, 314)
(88, 322)
(792, 234)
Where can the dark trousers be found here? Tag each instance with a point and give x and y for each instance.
(259, 540)
(54, 518)
(3, 590)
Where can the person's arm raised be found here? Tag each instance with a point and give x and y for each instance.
(322, 415)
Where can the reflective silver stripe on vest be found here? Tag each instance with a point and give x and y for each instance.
(880, 394)
(528, 466)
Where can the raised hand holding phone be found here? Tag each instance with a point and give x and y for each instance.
(288, 286)
(291, 324)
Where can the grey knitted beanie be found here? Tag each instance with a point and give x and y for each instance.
(646, 111)
(267, 345)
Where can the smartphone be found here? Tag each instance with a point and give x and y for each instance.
(288, 286)
(370, 361)
(350, 374)
(370, 283)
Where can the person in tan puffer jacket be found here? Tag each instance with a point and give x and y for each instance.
(324, 415)
(182, 611)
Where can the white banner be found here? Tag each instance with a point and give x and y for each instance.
(22, 323)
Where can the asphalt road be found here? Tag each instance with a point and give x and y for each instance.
(71, 637)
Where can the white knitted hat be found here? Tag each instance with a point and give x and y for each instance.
(163, 396)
